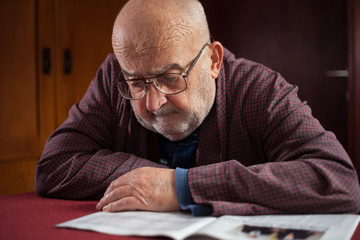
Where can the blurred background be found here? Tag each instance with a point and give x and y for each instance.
(50, 51)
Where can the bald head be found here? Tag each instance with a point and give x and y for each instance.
(156, 39)
(145, 27)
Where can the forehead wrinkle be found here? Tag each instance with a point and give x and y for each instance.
(155, 30)
(156, 72)
(133, 50)
(155, 39)
(180, 30)
(145, 40)
(141, 60)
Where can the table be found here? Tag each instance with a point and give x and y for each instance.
(28, 216)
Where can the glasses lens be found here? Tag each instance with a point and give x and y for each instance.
(170, 83)
(132, 89)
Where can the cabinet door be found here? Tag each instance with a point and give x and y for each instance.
(84, 40)
(74, 38)
(18, 96)
(303, 40)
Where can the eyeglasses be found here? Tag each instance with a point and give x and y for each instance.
(167, 83)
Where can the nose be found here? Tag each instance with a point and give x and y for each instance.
(154, 98)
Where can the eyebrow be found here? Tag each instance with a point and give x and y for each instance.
(156, 73)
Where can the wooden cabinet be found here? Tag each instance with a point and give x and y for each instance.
(18, 93)
(50, 51)
(39, 38)
(303, 41)
(78, 36)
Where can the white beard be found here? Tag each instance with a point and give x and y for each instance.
(176, 124)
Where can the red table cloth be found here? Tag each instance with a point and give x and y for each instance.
(28, 216)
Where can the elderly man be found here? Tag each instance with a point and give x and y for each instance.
(174, 121)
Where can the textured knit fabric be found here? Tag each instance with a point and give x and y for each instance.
(260, 151)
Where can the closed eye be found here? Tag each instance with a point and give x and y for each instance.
(136, 84)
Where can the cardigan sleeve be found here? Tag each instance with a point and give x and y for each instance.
(80, 158)
(304, 168)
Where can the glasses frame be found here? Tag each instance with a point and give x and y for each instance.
(184, 76)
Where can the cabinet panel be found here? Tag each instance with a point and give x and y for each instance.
(18, 93)
(81, 31)
(34, 102)
(17, 176)
(300, 39)
(354, 82)
(46, 79)
(84, 36)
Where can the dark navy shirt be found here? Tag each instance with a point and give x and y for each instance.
(181, 155)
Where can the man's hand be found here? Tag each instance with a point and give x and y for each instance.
(146, 188)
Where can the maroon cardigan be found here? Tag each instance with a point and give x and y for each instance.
(260, 150)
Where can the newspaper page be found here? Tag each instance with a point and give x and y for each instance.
(280, 227)
(176, 225)
(180, 225)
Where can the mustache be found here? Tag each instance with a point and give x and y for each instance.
(165, 110)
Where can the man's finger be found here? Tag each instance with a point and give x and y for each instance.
(114, 184)
(124, 204)
(114, 195)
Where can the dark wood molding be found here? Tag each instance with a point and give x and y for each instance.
(354, 81)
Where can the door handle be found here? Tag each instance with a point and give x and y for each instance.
(67, 61)
(337, 73)
(46, 60)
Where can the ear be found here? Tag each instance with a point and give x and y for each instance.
(216, 56)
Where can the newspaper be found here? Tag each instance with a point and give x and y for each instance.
(180, 225)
